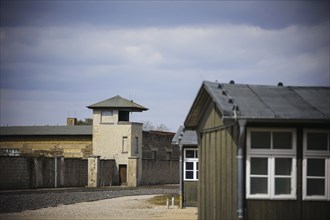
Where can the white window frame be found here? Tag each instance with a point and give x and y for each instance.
(316, 154)
(271, 154)
(192, 160)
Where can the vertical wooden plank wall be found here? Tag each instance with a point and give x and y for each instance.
(190, 193)
(218, 171)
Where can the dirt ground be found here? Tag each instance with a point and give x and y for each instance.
(129, 207)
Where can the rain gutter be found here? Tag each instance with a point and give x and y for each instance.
(240, 170)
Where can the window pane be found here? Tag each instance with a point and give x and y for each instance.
(189, 165)
(283, 166)
(189, 175)
(196, 156)
(190, 154)
(260, 140)
(106, 113)
(197, 175)
(258, 185)
(259, 166)
(282, 140)
(196, 165)
(315, 167)
(315, 187)
(317, 141)
(282, 186)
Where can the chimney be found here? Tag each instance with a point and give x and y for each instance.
(71, 121)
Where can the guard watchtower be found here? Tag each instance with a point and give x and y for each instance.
(115, 137)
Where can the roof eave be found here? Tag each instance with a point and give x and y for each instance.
(284, 120)
(119, 108)
(188, 121)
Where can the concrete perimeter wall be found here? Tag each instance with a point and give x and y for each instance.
(39, 172)
(160, 159)
(160, 172)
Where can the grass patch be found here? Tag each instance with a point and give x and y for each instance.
(161, 200)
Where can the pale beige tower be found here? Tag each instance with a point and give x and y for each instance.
(115, 137)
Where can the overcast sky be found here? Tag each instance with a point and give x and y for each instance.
(57, 57)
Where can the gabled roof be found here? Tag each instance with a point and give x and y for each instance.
(262, 102)
(118, 102)
(188, 137)
(46, 130)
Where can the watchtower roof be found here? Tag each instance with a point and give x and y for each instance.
(120, 103)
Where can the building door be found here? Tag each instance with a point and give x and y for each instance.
(122, 174)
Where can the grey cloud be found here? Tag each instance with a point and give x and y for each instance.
(266, 14)
(50, 67)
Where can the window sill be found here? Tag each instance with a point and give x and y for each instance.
(271, 199)
(311, 199)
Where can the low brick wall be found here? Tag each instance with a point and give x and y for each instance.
(160, 172)
(39, 172)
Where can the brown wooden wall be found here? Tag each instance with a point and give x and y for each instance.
(272, 209)
(287, 209)
(316, 210)
(190, 193)
(218, 169)
(190, 188)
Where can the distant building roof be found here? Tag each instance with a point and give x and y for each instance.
(159, 132)
(46, 130)
(118, 102)
(262, 102)
(188, 137)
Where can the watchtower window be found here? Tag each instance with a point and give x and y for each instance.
(123, 116)
(106, 116)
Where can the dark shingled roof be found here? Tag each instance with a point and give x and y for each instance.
(262, 102)
(46, 130)
(189, 137)
(118, 102)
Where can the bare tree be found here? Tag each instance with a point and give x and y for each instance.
(162, 127)
(148, 126)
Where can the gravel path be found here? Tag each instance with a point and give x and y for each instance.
(17, 201)
(129, 207)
